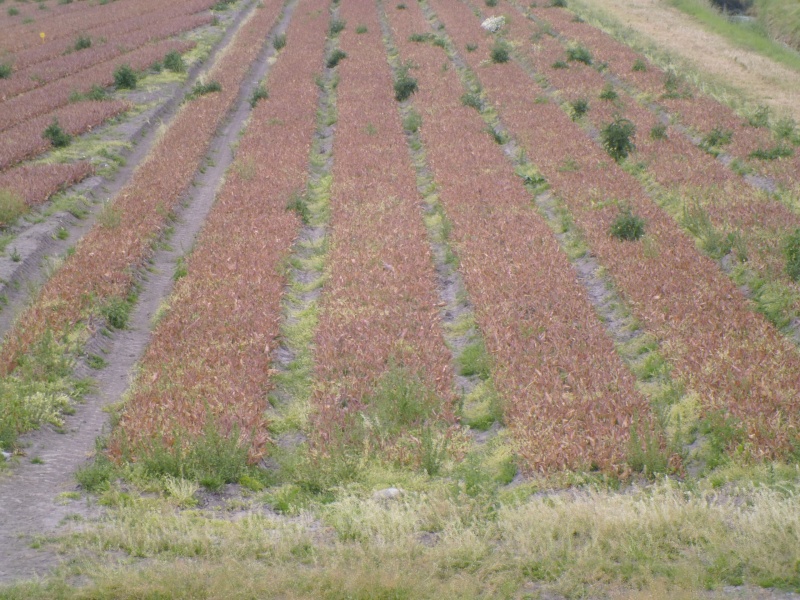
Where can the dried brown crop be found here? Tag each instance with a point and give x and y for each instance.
(36, 183)
(379, 307)
(103, 264)
(210, 355)
(570, 401)
(738, 364)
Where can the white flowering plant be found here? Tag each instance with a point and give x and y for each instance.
(494, 24)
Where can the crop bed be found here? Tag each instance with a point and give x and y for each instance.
(478, 249)
(454, 150)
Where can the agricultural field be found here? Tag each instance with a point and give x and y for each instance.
(408, 299)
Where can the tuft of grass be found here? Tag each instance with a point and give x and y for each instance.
(125, 77)
(279, 42)
(5, 70)
(412, 121)
(616, 138)
(713, 141)
(475, 360)
(778, 151)
(117, 311)
(639, 65)
(471, 47)
(361, 29)
(57, 136)
(791, 251)
(559, 64)
(472, 100)
(12, 207)
(627, 226)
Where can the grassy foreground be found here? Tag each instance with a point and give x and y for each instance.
(291, 532)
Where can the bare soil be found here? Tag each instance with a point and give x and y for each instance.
(758, 78)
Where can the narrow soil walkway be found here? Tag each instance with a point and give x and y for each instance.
(30, 501)
(759, 79)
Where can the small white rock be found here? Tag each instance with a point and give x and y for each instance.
(388, 494)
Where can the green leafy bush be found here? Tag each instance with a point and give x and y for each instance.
(658, 132)
(404, 84)
(5, 70)
(616, 137)
(279, 42)
(779, 151)
(174, 62)
(499, 53)
(608, 93)
(125, 77)
(57, 136)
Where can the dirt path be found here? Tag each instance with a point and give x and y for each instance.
(759, 79)
(30, 505)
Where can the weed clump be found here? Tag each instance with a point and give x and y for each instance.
(639, 65)
(203, 88)
(361, 29)
(5, 70)
(412, 121)
(608, 93)
(173, 61)
(404, 84)
(125, 77)
(791, 250)
(279, 42)
(336, 56)
(499, 53)
(578, 53)
(57, 136)
(627, 226)
(83, 42)
(336, 27)
(715, 139)
(578, 108)
(259, 93)
(658, 132)
(616, 137)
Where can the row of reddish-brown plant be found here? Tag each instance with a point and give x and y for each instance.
(41, 10)
(104, 262)
(673, 161)
(49, 97)
(64, 66)
(691, 105)
(379, 307)
(209, 358)
(571, 402)
(36, 183)
(53, 48)
(731, 356)
(26, 35)
(26, 140)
